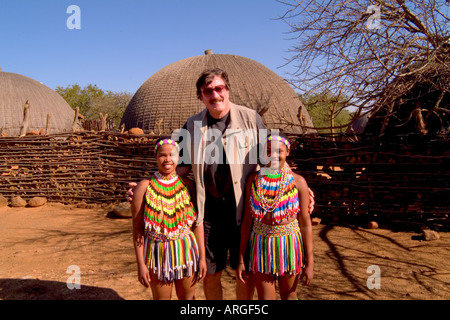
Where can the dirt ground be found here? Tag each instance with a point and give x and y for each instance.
(42, 249)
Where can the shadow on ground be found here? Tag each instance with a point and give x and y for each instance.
(34, 289)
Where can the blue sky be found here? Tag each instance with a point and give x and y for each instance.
(122, 43)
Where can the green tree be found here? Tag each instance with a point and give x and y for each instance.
(328, 112)
(114, 104)
(91, 101)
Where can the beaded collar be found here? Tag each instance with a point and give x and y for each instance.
(168, 208)
(274, 192)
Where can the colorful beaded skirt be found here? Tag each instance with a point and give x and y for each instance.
(174, 258)
(276, 249)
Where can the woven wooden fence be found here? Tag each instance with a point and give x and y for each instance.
(406, 183)
(68, 168)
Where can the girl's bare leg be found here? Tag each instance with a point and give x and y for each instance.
(185, 288)
(161, 290)
(265, 286)
(288, 287)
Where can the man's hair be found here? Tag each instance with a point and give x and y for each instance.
(208, 75)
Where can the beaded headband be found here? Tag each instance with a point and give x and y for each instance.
(280, 139)
(166, 141)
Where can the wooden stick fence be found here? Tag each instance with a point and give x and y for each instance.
(404, 182)
(407, 183)
(68, 168)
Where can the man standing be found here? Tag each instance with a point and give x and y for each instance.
(222, 140)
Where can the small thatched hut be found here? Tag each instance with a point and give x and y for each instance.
(16, 90)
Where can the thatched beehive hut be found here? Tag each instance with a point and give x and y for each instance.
(168, 98)
(417, 100)
(16, 89)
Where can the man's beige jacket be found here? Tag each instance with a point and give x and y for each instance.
(241, 144)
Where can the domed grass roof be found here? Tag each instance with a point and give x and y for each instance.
(168, 98)
(16, 89)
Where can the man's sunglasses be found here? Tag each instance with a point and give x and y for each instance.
(217, 89)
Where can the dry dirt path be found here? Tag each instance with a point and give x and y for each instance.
(42, 248)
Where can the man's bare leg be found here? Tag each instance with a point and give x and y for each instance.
(212, 286)
(245, 291)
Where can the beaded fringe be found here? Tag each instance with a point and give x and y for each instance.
(172, 259)
(277, 255)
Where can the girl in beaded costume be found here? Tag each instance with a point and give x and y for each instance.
(276, 233)
(167, 250)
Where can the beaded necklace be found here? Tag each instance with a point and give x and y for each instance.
(168, 208)
(168, 177)
(274, 192)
